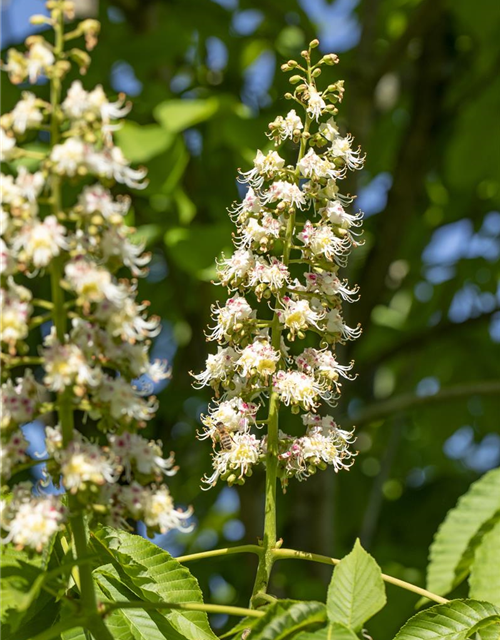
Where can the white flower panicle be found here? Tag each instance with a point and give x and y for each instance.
(62, 227)
(294, 234)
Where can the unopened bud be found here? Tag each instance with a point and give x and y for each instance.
(316, 72)
(314, 43)
(295, 79)
(330, 59)
(288, 96)
(39, 19)
(292, 64)
(305, 54)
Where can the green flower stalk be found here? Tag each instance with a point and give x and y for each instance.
(63, 232)
(293, 237)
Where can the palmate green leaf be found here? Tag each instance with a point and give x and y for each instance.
(18, 572)
(334, 631)
(357, 591)
(456, 620)
(132, 624)
(155, 576)
(287, 617)
(177, 115)
(452, 550)
(484, 578)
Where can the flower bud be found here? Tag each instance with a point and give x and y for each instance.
(316, 73)
(39, 19)
(314, 43)
(295, 79)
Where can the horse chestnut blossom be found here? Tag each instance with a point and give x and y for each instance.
(63, 231)
(293, 236)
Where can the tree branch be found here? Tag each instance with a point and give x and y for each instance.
(407, 401)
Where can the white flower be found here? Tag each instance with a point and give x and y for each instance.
(16, 311)
(234, 269)
(231, 318)
(15, 66)
(218, 367)
(323, 363)
(92, 283)
(12, 453)
(251, 204)
(258, 358)
(316, 167)
(39, 242)
(97, 199)
(80, 104)
(39, 59)
(84, 462)
(75, 105)
(26, 114)
(69, 157)
(125, 319)
(154, 505)
(124, 401)
(265, 167)
(66, 365)
(111, 163)
(115, 244)
(234, 415)
(31, 521)
(30, 184)
(297, 388)
(324, 444)
(341, 148)
(284, 128)
(238, 461)
(260, 233)
(321, 241)
(273, 275)
(329, 129)
(336, 325)
(336, 214)
(7, 145)
(107, 110)
(330, 285)
(315, 103)
(145, 456)
(53, 440)
(20, 400)
(287, 192)
(297, 315)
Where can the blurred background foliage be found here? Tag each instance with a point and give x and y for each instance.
(422, 98)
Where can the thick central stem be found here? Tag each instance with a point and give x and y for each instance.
(269, 539)
(65, 408)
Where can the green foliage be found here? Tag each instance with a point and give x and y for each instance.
(457, 620)
(140, 143)
(357, 591)
(152, 575)
(453, 548)
(334, 631)
(485, 572)
(287, 617)
(177, 115)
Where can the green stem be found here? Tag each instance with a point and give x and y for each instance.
(188, 606)
(245, 548)
(269, 540)
(65, 408)
(293, 554)
(56, 630)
